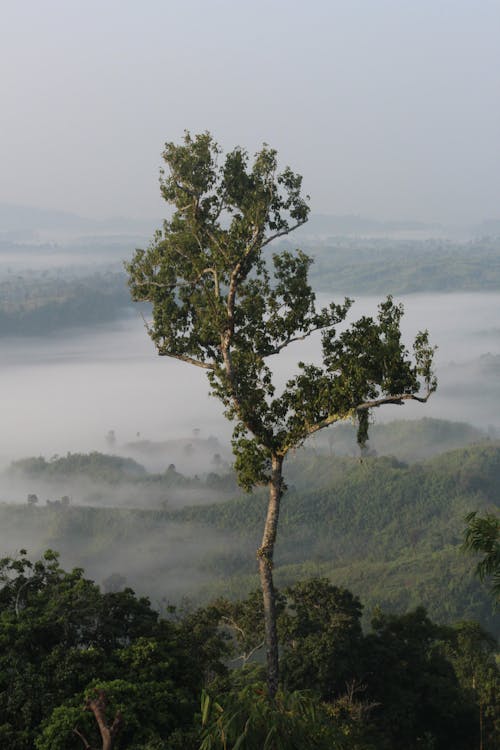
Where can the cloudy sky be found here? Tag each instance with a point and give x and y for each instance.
(389, 108)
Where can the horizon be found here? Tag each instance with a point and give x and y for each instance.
(386, 109)
(353, 216)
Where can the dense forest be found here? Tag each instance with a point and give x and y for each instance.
(388, 529)
(84, 667)
(371, 266)
(40, 303)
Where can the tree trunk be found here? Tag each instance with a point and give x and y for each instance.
(265, 557)
(108, 733)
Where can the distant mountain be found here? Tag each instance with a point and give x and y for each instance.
(325, 224)
(489, 227)
(25, 223)
(16, 219)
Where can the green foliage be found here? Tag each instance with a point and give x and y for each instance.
(387, 531)
(371, 266)
(149, 711)
(410, 678)
(247, 719)
(92, 465)
(321, 634)
(473, 653)
(218, 304)
(407, 683)
(62, 639)
(482, 536)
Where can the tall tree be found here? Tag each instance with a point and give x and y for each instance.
(220, 304)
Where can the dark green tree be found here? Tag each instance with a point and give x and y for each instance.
(482, 536)
(472, 651)
(322, 638)
(65, 645)
(412, 684)
(219, 303)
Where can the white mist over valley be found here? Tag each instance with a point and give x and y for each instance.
(65, 393)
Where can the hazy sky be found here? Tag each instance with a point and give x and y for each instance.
(389, 108)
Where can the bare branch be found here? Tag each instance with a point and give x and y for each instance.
(330, 419)
(16, 606)
(244, 658)
(233, 624)
(86, 744)
(185, 189)
(189, 360)
(178, 284)
(397, 400)
(283, 232)
(146, 324)
(157, 284)
(292, 339)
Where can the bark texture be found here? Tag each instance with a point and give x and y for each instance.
(108, 733)
(265, 555)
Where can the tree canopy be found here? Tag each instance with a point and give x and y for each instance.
(482, 536)
(79, 667)
(219, 303)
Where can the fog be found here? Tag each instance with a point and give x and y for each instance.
(388, 110)
(156, 557)
(107, 390)
(66, 393)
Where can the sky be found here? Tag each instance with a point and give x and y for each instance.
(390, 109)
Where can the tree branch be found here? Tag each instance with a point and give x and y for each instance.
(108, 733)
(246, 657)
(157, 284)
(16, 606)
(283, 232)
(178, 284)
(292, 339)
(189, 360)
(398, 400)
(214, 239)
(86, 744)
(185, 189)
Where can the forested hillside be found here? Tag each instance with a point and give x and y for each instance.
(388, 530)
(39, 303)
(35, 302)
(83, 666)
(374, 266)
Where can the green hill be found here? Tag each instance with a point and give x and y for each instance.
(389, 531)
(372, 266)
